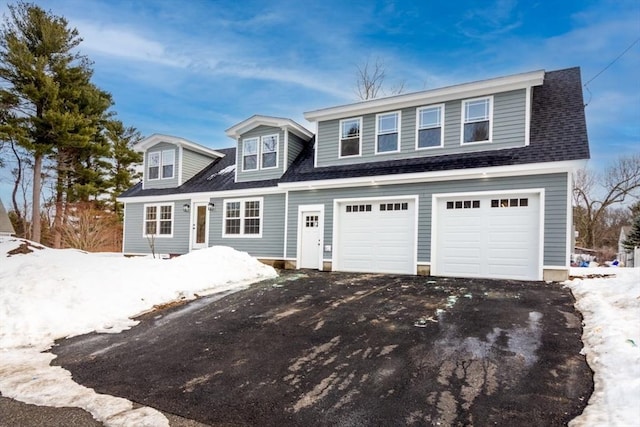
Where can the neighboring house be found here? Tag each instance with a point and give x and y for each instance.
(472, 180)
(6, 228)
(626, 256)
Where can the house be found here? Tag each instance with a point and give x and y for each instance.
(627, 257)
(472, 180)
(6, 228)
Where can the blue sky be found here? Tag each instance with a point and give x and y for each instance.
(194, 68)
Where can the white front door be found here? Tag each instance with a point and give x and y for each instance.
(310, 239)
(200, 225)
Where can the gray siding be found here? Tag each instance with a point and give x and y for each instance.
(509, 111)
(192, 163)
(133, 231)
(270, 245)
(555, 212)
(258, 174)
(162, 183)
(296, 144)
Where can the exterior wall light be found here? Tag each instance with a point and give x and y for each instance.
(211, 206)
(186, 207)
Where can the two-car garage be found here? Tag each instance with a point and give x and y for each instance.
(492, 235)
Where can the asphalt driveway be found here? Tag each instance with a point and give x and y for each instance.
(341, 349)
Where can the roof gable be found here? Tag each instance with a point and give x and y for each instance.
(156, 138)
(257, 120)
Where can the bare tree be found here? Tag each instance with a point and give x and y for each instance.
(594, 194)
(370, 79)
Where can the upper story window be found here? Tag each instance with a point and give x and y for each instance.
(269, 144)
(158, 220)
(476, 122)
(264, 148)
(429, 129)
(388, 132)
(250, 154)
(242, 218)
(350, 137)
(161, 161)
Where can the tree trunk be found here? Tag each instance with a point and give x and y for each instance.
(35, 211)
(16, 184)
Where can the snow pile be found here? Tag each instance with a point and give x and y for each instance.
(611, 337)
(48, 294)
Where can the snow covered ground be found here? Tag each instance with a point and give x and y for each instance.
(48, 294)
(611, 337)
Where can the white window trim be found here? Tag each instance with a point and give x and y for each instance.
(399, 127)
(277, 151)
(462, 120)
(161, 164)
(144, 220)
(340, 156)
(418, 128)
(244, 144)
(242, 218)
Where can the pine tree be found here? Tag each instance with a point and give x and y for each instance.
(633, 239)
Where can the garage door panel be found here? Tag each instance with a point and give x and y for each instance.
(379, 240)
(498, 238)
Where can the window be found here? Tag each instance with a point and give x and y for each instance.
(477, 120)
(394, 206)
(158, 220)
(250, 154)
(350, 137)
(464, 204)
(429, 131)
(509, 203)
(161, 160)
(358, 208)
(269, 151)
(387, 133)
(243, 218)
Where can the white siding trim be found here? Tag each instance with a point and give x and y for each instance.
(569, 231)
(124, 224)
(178, 164)
(527, 116)
(286, 223)
(285, 151)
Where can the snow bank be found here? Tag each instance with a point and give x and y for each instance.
(611, 337)
(48, 294)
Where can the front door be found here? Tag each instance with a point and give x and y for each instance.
(310, 241)
(200, 225)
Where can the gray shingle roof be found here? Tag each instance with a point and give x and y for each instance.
(558, 133)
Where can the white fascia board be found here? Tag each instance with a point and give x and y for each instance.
(427, 97)
(156, 138)
(253, 122)
(448, 175)
(249, 192)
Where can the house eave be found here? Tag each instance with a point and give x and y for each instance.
(447, 175)
(150, 141)
(434, 96)
(253, 122)
(204, 195)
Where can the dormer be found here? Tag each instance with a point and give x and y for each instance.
(266, 146)
(169, 161)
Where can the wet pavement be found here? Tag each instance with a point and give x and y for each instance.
(340, 349)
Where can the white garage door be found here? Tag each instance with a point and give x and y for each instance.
(493, 236)
(376, 236)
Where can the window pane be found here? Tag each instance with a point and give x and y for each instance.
(168, 157)
(151, 212)
(154, 159)
(250, 162)
(232, 226)
(478, 131)
(388, 142)
(252, 226)
(165, 227)
(429, 138)
(429, 117)
(350, 129)
(350, 147)
(153, 172)
(233, 210)
(165, 212)
(167, 171)
(388, 123)
(269, 144)
(250, 146)
(269, 160)
(150, 227)
(477, 110)
(252, 209)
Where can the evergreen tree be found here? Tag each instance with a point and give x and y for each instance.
(633, 239)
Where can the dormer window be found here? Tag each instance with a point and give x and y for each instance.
(388, 132)
(476, 121)
(250, 154)
(161, 161)
(350, 140)
(429, 127)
